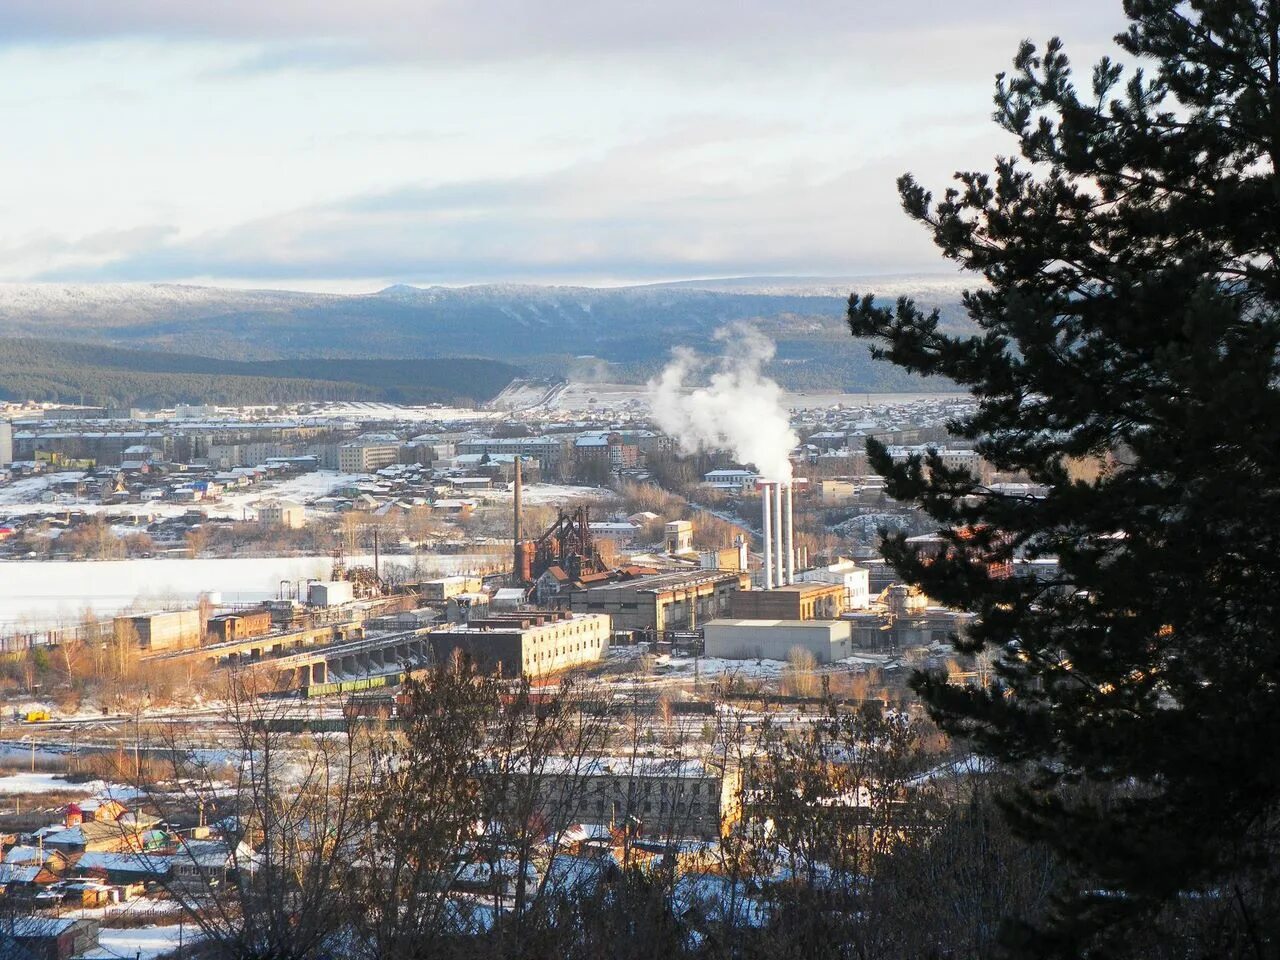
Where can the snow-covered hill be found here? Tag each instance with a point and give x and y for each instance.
(542, 328)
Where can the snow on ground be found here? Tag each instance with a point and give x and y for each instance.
(139, 905)
(23, 497)
(29, 489)
(35, 593)
(714, 666)
(145, 943)
(552, 493)
(635, 396)
(26, 783)
(369, 410)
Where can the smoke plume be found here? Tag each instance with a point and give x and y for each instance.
(740, 409)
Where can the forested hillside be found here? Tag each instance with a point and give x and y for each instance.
(60, 371)
(627, 332)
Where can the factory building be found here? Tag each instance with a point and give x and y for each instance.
(443, 588)
(533, 642)
(854, 579)
(227, 627)
(683, 600)
(330, 593)
(164, 630)
(796, 601)
(733, 639)
(902, 618)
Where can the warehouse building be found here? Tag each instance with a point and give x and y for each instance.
(827, 640)
(239, 626)
(164, 630)
(330, 593)
(665, 601)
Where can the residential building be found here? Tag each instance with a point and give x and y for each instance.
(609, 448)
(550, 452)
(736, 481)
(129, 831)
(658, 797)
(833, 492)
(282, 513)
(202, 865)
(48, 938)
(829, 440)
(368, 453)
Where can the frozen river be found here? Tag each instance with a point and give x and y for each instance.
(45, 593)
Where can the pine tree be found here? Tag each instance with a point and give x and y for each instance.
(1128, 317)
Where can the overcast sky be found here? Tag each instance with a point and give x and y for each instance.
(334, 144)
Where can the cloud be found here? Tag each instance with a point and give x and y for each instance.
(457, 140)
(600, 220)
(487, 29)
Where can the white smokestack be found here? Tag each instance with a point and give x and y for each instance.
(739, 410)
(791, 549)
(768, 536)
(777, 523)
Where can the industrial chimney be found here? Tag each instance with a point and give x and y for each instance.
(791, 549)
(517, 552)
(778, 524)
(765, 518)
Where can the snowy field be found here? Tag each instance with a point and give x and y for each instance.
(144, 943)
(25, 783)
(45, 593)
(23, 497)
(550, 494)
(368, 410)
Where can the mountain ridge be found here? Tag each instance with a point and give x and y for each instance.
(544, 329)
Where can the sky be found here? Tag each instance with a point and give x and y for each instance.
(339, 145)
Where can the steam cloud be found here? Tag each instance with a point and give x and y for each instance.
(740, 410)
